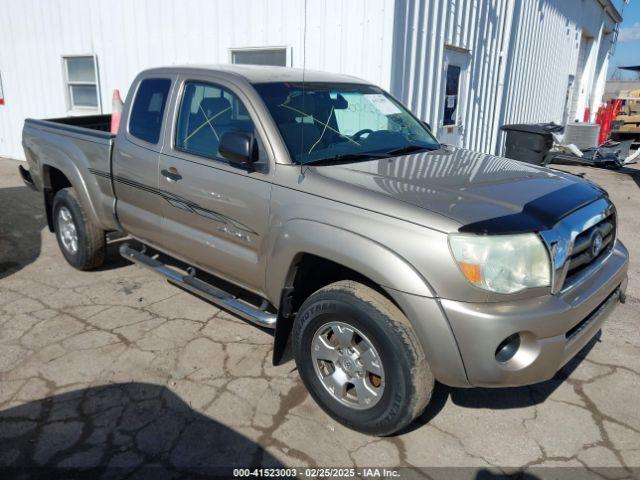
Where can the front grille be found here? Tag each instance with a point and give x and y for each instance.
(584, 251)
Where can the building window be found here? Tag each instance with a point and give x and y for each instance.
(82, 83)
(278, 56)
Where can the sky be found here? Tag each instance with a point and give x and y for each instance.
(627, 51)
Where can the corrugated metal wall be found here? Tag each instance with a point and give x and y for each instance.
(518, 67)
(422, 31)
(521, 55)
(544, 52)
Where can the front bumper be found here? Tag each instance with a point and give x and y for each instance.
(552, 328)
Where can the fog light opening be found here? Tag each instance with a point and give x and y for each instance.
(508, 348)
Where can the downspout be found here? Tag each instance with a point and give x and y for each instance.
(507, 25)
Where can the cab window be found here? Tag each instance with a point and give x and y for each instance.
(145, 121)
(206, 112)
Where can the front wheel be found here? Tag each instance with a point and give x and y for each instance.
(360, 359)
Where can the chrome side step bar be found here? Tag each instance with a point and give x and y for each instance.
(198, 287)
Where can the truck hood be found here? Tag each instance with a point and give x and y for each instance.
(483, 193)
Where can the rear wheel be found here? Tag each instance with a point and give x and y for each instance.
(82, 243)
(360, 359)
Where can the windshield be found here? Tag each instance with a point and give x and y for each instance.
(329, 121)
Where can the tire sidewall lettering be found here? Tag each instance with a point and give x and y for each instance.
(318, 308)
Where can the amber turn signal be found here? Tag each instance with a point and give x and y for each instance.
(471, 271)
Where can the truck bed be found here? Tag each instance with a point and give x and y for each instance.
(78, 149)
(95, 126)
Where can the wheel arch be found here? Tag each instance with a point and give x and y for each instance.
(324, 271)
(53, 180)
(327, 254)
(302, 239)
(63, 165)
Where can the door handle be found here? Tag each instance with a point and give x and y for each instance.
(171, 174)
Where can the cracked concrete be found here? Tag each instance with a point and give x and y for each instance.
(119, 370)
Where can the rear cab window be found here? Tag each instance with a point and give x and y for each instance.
(147, 111)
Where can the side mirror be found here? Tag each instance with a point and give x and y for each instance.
(239, 148)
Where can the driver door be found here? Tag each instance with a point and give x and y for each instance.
(216, 215)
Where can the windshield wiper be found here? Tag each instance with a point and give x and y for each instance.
(347, 157)
(410, 149)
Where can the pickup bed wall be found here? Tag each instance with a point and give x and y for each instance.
(75, 147)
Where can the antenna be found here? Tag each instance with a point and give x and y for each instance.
(304, 69)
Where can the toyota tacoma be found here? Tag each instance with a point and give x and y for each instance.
(318, 206)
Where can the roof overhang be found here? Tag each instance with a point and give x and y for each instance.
(611, 10)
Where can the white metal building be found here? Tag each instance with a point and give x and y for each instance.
(465, 66)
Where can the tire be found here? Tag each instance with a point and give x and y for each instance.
(90, 244)
(402, 382)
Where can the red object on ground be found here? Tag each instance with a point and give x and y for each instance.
(1, 101)
(116, 111)
(609, 114)
(605, 126)
(600, 114)
(587, 115)
(617, 106)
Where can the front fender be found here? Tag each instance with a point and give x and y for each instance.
(402, 282)
(348, 248)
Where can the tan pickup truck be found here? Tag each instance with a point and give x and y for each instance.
(320, 207)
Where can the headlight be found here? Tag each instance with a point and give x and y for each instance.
(502, 263)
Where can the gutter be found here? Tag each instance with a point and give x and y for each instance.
(611, 10)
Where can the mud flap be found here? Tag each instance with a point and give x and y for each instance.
(284, 325)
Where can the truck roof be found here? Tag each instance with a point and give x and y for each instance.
(262, 73)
